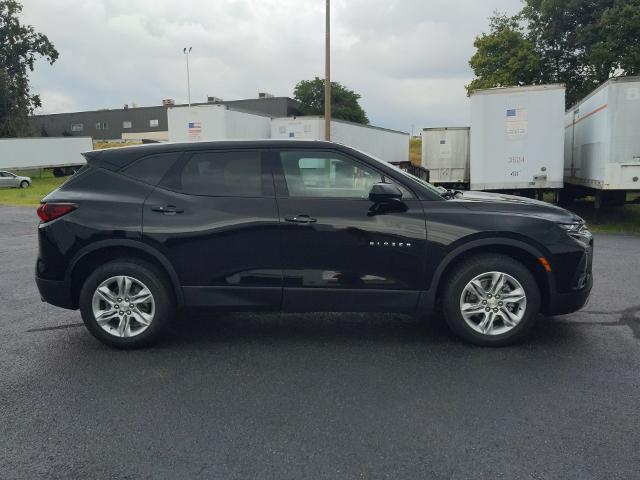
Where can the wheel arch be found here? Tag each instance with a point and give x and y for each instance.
(519, 250)
(100, 252)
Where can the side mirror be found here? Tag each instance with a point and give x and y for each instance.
(384, 192)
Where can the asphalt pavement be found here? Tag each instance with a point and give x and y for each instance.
(319, 396)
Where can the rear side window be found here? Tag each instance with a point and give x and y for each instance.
(220, 174)
(152, 168)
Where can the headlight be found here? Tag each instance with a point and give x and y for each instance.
(578, 231)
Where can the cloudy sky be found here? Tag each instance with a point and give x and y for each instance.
(407, 58)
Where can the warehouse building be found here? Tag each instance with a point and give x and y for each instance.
(137, 123)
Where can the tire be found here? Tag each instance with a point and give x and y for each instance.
(133, 334)
(497, 327)
(24, 184)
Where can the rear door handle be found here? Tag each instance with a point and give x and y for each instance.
(302, 218)
(167, 209)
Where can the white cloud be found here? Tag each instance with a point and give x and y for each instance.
(408, 58)
(56, 102)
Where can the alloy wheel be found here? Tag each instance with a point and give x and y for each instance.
(123, 306)
(493, 303)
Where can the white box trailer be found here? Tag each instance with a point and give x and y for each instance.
(215, 122)
(388, 145)
(43, 152)
(445, 154)
(602, 141)
(517, 138)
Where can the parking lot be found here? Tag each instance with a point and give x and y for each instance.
(319, 396)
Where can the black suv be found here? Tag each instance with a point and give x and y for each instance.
(298, 226)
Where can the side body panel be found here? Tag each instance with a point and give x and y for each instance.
(352, 257)
(22, 153)
(101, 215)
(388, 145)
(602, 147)
(588, 141)
(215, 122)
(225, 250)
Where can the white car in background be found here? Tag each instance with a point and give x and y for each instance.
(8, 179)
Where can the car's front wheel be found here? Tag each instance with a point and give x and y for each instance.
(126, 303)
(491, 300)
(24, 184)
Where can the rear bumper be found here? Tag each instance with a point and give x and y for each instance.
(564, 303)
(55, 292)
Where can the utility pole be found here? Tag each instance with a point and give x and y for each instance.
(327, 75)
(187, 52)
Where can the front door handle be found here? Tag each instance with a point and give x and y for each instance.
(302, 218)
(167, 209)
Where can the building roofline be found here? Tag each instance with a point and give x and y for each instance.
(150, 107)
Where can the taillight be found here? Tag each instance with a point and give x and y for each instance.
(51, 211)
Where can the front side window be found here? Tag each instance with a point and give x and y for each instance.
(330, 175)
(220, 174)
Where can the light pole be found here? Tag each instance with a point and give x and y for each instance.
(187, 52)
(327, 75)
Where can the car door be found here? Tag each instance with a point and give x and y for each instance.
(6, 180)
(214, 216)
(340, 251)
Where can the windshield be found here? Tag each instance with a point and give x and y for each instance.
(402, 172)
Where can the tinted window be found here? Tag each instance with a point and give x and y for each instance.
(151, 169)
(326, 174)
(221, 174)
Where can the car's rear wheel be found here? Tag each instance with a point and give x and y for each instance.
(126, 303)
(24, 184)
(491, 300)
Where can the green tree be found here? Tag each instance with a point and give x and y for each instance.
(580, 43)
(504, 57)
(20, 46)
(344, 102)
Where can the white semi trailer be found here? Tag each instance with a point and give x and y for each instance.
(602, 143)
(445, 154)
(388, 145)
(517, 138)
(63, 154)
(215, 122)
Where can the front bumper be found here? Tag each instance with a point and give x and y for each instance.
(55, 292)
(564, 303)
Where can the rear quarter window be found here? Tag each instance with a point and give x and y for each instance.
(152, 168)
(219, 174)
